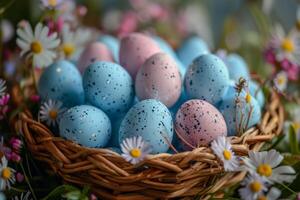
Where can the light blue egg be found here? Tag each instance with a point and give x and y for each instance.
(183, 98)
(62, 81)
(151, 120)
(109, 87)
(236, 115)
(115, 149)
(190, 49)
(237, 67)
(112, 43)
(86, 125)
(257, 93)
(2, 196)
(164, 46)
(207, 79)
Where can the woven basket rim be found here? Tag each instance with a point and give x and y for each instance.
(163, 176)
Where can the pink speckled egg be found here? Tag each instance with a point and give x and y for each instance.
(199, 123)
(159, 78)
(135, 49)
(94, 52)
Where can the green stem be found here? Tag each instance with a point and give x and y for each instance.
(289, 189)
(33, 77)
(28, 182)
(17, 189)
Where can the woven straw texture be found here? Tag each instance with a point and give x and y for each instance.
(163, 176)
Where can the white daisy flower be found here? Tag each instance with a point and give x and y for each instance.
(134, 149)
(73, 41)
(2, 87)
(51, 111)
(273, 194)
(281, 81)
(38, 45)
(254, 186)
(24, 196)
(266, 163)
(7, 175)
(286, 46)
(222, 148)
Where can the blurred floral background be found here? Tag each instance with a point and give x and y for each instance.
(265, 33)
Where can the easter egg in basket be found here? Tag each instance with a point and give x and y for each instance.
(86, 125)
(135, 49)
(159, 78)
(62, 81)
(198, 123)
(109, 87)
(207, 79)
(151, 120)
(237, 67)
(112, 43)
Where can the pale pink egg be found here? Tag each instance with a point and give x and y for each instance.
(159, 78)
(94, 52)
(198, 123)
(135, 49)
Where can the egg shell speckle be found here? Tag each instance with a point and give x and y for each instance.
(257, 93)
(62, 81)
(159, 78)
(112, 43)
(237, 67)
(86, 125)
(190, 49)
(199, 122)
(207, 79)
(135, 49)
(109, 87)
(233, 113)
(151, 120)
(94, 52)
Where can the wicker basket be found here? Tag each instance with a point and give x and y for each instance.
(162, 176)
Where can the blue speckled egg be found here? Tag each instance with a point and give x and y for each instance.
(257, 93)
(86, 125)
(109, 87)
(207, 79)
(237, 113)
(164, 46)
(116, 123)
(190, 49)
(237, 67)
(62, 81)
(112, 43)
(151, 120)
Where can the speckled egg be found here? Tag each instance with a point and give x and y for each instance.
(116, 123)
(112, 43)
(190, 49)
(237, 114)
(237, 67)
(256, 91)
(109, 87)
(198, 122)
(94, 52)
(62, 81)
(86, 125)
(159, 78)
(150, 119)
(207, 79)
(164, 46)
(135, 49)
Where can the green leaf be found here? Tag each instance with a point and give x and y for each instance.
(294, 146)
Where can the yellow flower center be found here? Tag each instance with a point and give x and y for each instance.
(264, 170)
(135, 152)
(53, 114)
(52, 3)
(262, 198)
(248, 97)
(6, 173)
(296, 125)
(287, 45)
(255, 186)
(36, 47)
(227, 154)
(68, 49)
(281, 80)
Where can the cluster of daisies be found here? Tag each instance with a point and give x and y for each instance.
(283, 52)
